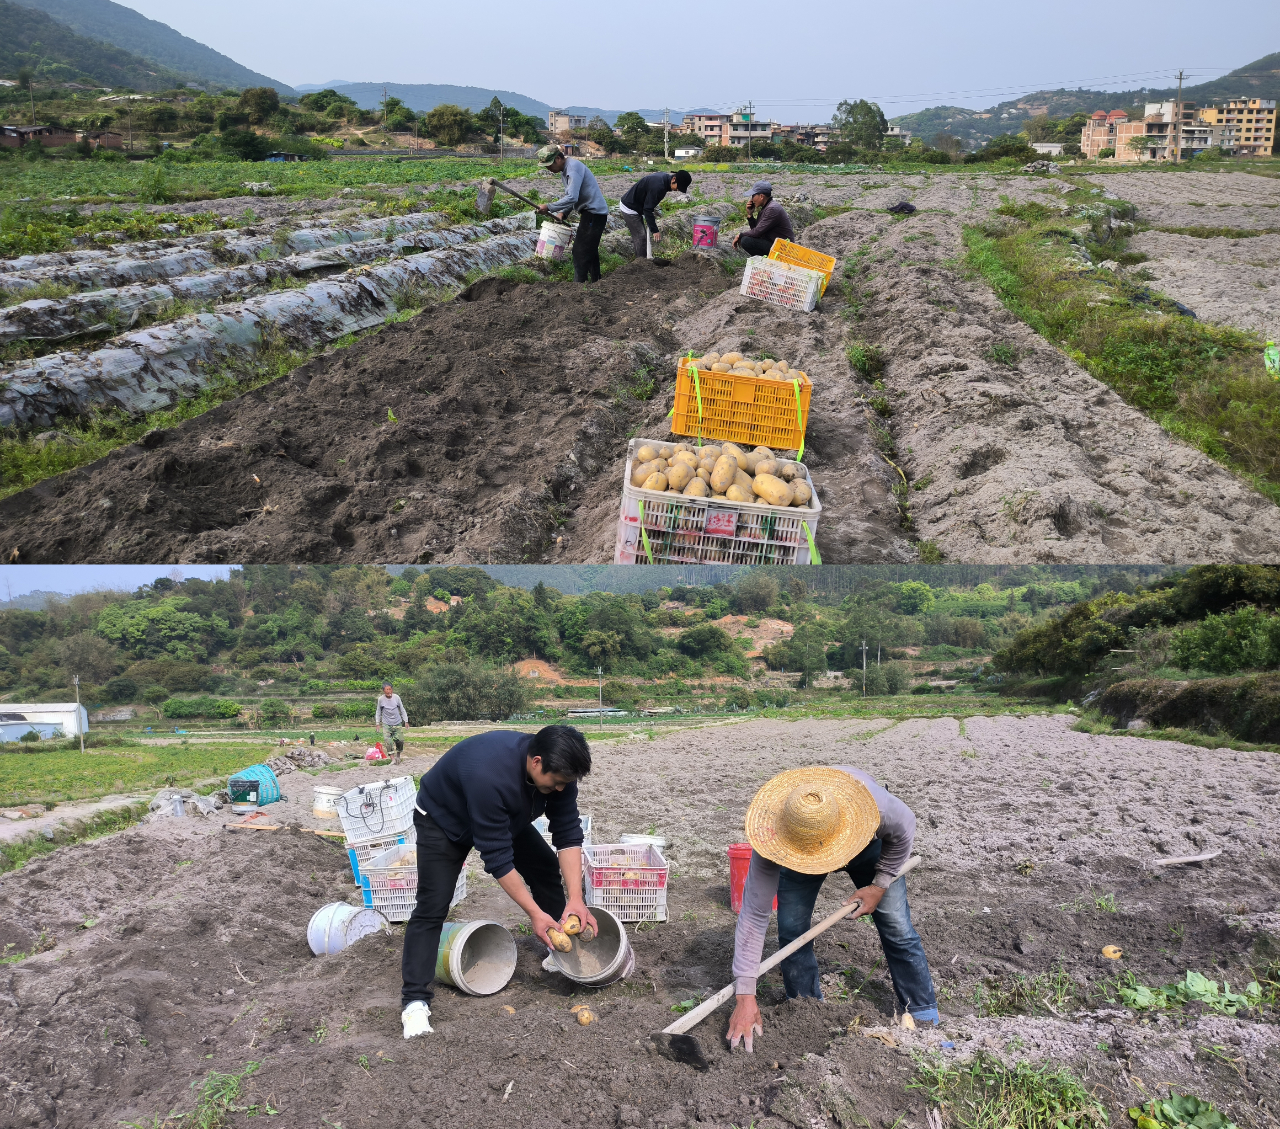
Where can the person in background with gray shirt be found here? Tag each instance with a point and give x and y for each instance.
(389, 716)
(804, 825)
(581, 193)
(772, 222)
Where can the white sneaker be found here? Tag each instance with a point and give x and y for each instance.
(416, 1019)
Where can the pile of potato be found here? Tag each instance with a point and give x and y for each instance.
(738, 365)
(721, 471)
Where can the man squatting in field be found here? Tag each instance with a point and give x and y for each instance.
(772, 222)
(389, 716)
(640, 202)
(581, 192)
(485, 793)
(804, 825)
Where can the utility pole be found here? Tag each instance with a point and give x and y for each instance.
(864, 668)
(751, 107)
(1177, 117)
(501, 110)
(76, 679)
(600, 713)
(666, 132)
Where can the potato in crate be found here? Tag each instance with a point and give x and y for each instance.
(781, 284)
(761, 403)
(389, 882)
(628, 880)
(679, 527)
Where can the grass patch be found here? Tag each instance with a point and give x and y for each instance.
(985, 1094)
(1218, 232)
(1205, 384)
(866, 359)
(1095, 722)
(53, 777)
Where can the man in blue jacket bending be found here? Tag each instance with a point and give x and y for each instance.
(485, 793)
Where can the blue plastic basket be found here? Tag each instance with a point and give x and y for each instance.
(268, 787)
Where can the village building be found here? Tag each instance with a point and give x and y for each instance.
(1251, 122)
(49, 136)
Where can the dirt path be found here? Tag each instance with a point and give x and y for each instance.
(512, 412)
(179, 948)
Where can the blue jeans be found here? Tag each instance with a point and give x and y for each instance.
(903, 949)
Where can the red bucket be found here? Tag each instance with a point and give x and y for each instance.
(739, 864)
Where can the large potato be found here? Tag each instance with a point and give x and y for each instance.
(707, 360)
(667, 452)
(743, 479)
(772, 489)
(656, 481)
(767, 466)
(708, 464)
(782, 367)
(788, 471)
(804, 492)
(720, 366)
(697, 489)
(711, 451)
(722, 476)
(736, 453)
(737, 493)
(679, 476)
(730, 358)
(641, 471)
(688, 458)
(647, 453)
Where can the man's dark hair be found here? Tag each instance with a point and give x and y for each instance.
(563, 750)
(386, 684)
(683, 180)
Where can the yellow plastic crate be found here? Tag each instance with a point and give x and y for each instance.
(787, 252)
(751, 411)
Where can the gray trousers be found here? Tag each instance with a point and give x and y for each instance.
(639, 234)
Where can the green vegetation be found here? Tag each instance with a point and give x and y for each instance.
(1206, 384)
(1179, 1111)
(1193, 988)
(985, 1094)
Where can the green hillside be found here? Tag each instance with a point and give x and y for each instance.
(31, 38)
(124, 28)
(1259, 79)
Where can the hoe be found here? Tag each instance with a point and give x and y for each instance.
(488, 188)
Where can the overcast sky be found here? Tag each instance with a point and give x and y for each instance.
(795, 60)
(18, 580)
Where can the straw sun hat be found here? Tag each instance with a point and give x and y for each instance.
(812, 820)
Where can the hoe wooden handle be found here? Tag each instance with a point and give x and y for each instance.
(697, 1015)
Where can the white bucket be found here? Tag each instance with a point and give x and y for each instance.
(553, 240)
(338, 925)
(476, 957)
(604, 960)
(644, 841)
(324, 804)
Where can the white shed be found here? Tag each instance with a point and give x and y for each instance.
(49, 719)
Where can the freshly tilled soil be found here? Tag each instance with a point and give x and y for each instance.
(178, 948)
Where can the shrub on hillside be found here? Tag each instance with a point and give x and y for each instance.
(200, 707)
(1245, 639)
(1246, 707)
(454, 692)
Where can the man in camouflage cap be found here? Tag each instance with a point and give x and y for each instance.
(581, 194)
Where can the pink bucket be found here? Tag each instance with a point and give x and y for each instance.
(706, 229)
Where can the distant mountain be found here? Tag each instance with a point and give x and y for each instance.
(32, 602)
(312, 87)
(69, 57)
(1259, 79)
(124, 28)
(427, 96)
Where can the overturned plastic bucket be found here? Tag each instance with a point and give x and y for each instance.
(340, 925)
(553, 240)
(476, 957)
(604, 960)
(324, 802)
(706, 230)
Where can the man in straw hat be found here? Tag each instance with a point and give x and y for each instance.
(804, 825)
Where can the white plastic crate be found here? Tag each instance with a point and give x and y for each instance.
(685, 530)
(543, 824)
(628, 880)
(360, 851)
(389, 883)
(782, 284)
(377, 810)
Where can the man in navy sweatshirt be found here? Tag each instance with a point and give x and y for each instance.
(641, 201)
(485, 793)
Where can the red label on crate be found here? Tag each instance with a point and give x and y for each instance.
(720, 523)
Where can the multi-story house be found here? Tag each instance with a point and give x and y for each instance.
(560, 122)
(1251, 122)
(735, 129)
